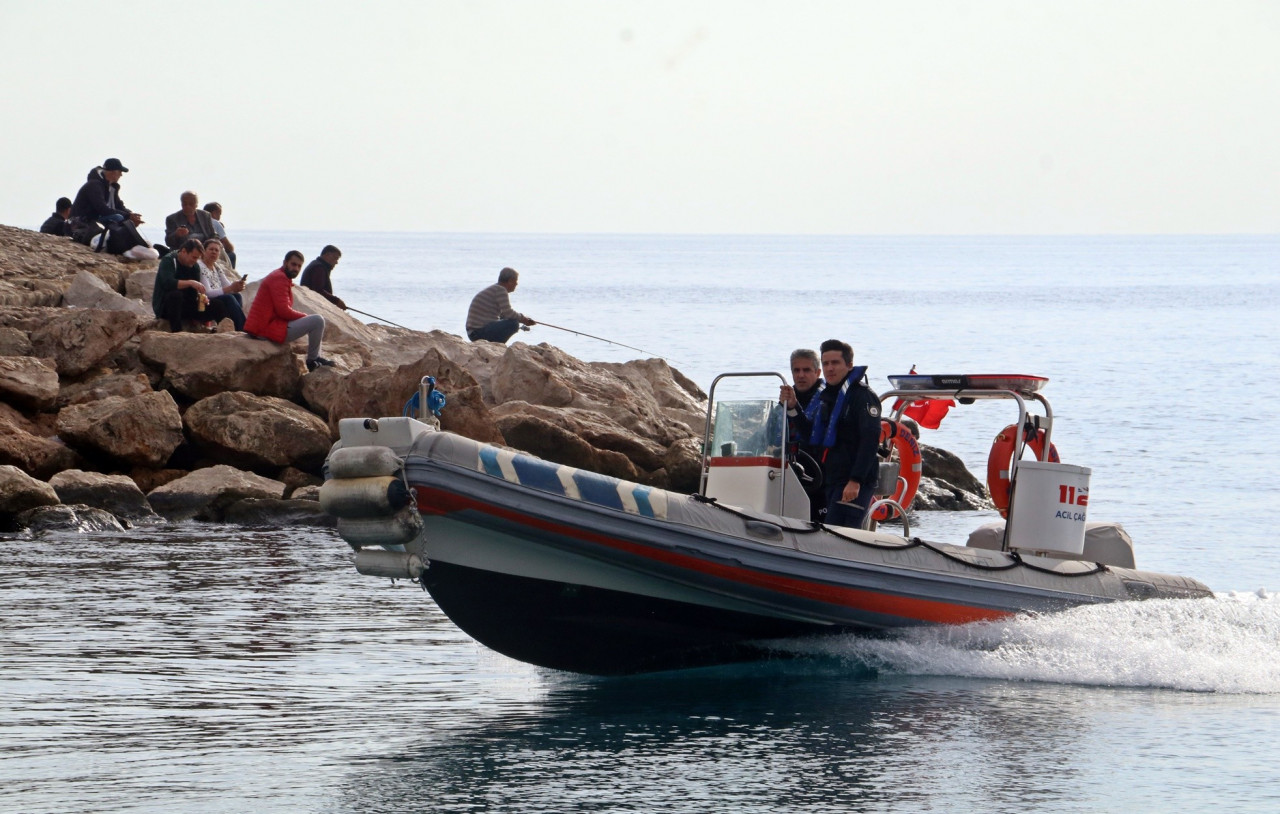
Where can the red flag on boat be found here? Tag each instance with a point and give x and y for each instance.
(928, 413)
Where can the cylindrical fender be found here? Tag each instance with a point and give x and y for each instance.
(1000, 462)
(394, 530)
(364, 497)
(908, 450)
(363, 462)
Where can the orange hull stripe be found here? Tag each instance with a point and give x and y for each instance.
(435, 502)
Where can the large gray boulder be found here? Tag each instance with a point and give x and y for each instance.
(207, 493)
(117, 494)
(28, 382)
(142, 430)
(258, 432)
(89, 291)
(19, 492)
(78, 340)
(22, 445)
(942, 465)
(139, 285)
(202, 365)
(547, 376)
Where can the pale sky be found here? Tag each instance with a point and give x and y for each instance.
(1017, 117)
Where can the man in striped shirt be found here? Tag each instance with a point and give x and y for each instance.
(491, 316)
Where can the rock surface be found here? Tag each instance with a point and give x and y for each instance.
(19, 492)
(206, 494)
(117, 494)
(37, 269)
(28, 382)
(258, 432)
(88, 290)
(203, 365)
(142, 430)
(80, 519)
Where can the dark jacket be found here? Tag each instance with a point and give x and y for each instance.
(56, 225)
(168, 274)
(316, 277)
(91, 201)
(853, 455)
(201, 229)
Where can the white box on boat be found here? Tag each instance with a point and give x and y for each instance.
(1050, 507)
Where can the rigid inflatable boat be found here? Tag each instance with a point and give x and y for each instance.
(572, 570)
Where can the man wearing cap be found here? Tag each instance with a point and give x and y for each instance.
(98, 202)
(491, 316)
(188, 222)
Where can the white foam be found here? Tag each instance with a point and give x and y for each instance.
(1227, 644)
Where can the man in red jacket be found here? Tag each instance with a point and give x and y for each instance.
(273, 317)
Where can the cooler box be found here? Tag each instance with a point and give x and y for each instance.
(1050, 507)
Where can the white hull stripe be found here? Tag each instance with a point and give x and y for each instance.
(573, 483)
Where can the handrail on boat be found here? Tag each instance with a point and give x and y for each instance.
(969, 395)
(868, 517)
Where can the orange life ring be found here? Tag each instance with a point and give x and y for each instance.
(910, 463)
(1000, 461)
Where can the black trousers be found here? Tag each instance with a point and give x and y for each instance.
(181, 304)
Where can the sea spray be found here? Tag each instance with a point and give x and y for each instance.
(1227, 644)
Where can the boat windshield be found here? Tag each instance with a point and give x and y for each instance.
(747, 429)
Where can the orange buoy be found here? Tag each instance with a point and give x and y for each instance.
(910, 465)
(1000, 462)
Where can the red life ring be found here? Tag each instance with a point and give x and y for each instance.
(1000, 461)
(910, 463)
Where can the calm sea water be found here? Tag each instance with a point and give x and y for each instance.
(197, 668)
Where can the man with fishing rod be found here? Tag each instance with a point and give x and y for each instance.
(316, 275)
(491, 317)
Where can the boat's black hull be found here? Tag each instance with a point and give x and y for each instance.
(597, 631)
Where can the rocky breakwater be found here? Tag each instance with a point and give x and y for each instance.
(108, 419)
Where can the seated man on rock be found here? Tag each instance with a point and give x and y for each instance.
(59, 223)
(491, 316)
(316, 275)
(219, 287)
(272, 315)
(188, 222)
(179, 294)
(98, 206)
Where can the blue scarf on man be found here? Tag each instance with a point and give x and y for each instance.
(824, 426)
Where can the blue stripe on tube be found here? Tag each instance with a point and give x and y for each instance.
(538, 474)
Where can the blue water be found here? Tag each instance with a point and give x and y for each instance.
(196, 668)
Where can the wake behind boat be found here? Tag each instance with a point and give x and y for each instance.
(572, 570)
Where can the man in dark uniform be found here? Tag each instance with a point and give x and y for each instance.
(806, 373)
(844, 432)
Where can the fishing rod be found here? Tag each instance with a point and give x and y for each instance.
(601, 338)
(375, 316)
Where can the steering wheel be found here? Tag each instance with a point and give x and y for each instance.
(806, 468)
